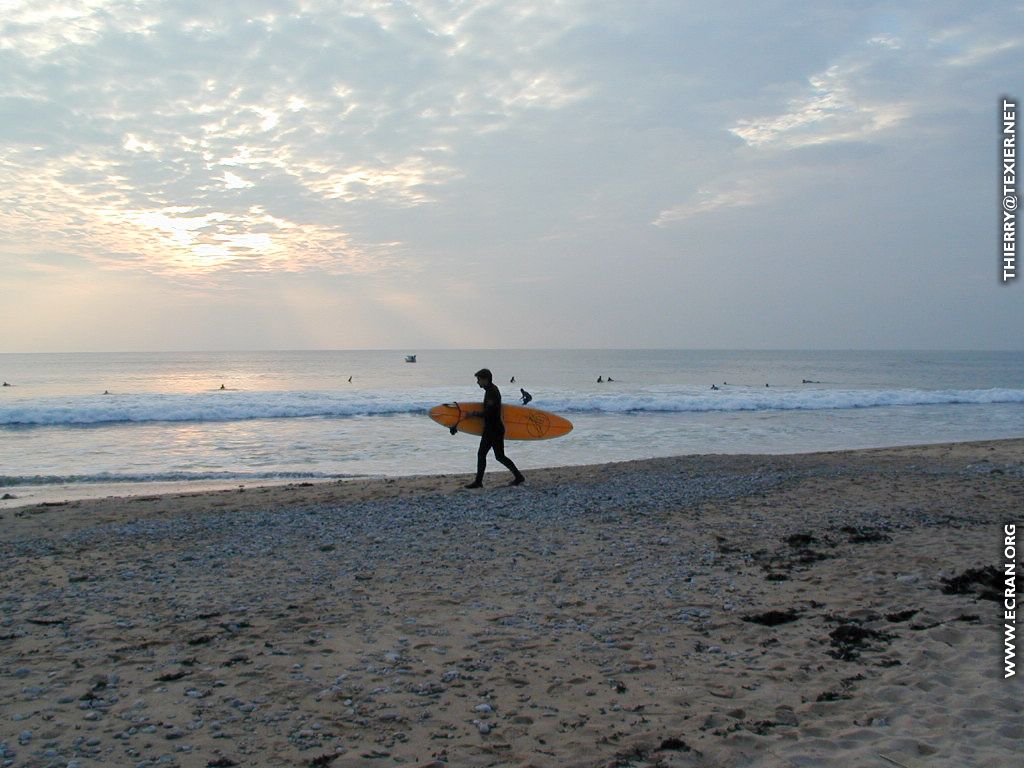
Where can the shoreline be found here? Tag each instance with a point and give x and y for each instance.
(22, 496)
(767, 610)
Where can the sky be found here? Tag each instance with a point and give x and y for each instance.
(427, 174)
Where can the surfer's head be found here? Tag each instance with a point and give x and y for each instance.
(484, 377)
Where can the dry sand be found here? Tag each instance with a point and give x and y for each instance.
(698, 611)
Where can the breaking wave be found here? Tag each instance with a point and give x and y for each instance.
(239, 406)
(10, 481)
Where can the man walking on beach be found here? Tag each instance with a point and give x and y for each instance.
(493, 437)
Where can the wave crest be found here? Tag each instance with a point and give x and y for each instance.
(233, 406)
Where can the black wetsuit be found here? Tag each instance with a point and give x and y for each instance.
(493, 437)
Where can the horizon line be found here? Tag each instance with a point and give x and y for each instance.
(421, 350)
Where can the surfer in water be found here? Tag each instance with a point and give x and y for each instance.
(493, 437)
(527, 397)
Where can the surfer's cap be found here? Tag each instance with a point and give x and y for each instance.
(484, 373)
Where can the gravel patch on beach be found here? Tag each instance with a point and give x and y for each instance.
(670, 612)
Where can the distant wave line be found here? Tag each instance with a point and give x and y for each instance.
(143, 409)
(7, 481)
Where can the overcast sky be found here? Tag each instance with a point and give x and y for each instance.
(504, 173)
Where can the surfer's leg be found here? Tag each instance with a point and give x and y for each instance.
(486, 443)
(499, 454)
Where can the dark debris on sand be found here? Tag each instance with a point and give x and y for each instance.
(644, 754)
(984, 583)
(850, 639)
(844, 691)
(797, 555)
(865, 535)
(773, 618)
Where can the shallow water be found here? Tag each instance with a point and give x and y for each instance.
(295, 415)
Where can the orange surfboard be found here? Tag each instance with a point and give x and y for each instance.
(520, 423)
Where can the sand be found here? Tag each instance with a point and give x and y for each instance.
(696, 611)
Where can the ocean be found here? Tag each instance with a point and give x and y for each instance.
(75, 425)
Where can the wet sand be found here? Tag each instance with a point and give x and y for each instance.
(696, 611)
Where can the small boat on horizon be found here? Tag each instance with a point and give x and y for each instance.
(410, 358)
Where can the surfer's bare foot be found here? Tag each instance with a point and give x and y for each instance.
(475, 485)
(519, 480)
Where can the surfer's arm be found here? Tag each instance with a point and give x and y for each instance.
(492, 409)
(489, 409)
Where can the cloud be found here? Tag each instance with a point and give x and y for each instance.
(143, 135)
(872, 94)
(741, 194)
(366, 148)
(981, 51)
(835, 108)
(36, 29)
(401, 183)
(885, 82)
(886, 40)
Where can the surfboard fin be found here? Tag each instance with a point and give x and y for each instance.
(453, 430)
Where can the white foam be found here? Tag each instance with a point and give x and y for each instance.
(238, 406)
(219, 406)
(7, 481)
(752, 399)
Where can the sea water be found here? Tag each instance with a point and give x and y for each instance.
(71, 422)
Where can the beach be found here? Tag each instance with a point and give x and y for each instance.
(824, 609)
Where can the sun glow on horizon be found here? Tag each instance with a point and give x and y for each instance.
(502, 173)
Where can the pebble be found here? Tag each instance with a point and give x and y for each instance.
(425, 524)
